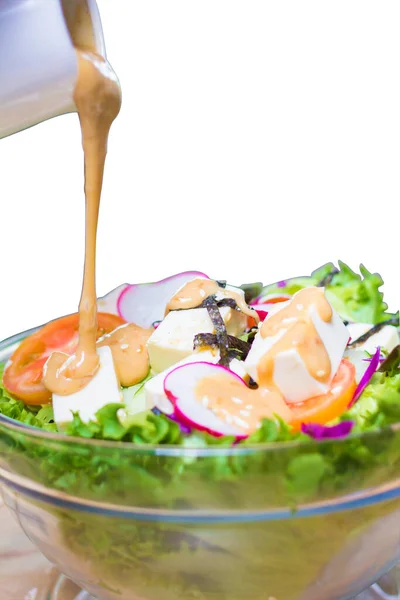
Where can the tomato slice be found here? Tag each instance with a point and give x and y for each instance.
(325, 408)
(23, 376)
(274, 299)
(262, 312)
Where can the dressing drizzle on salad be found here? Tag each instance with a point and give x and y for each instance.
(291, 327)
(294, 324)
(130, 355)
(239, 405)
(98, 100)
(193, 293)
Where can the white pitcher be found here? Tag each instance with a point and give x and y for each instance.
(38, 64)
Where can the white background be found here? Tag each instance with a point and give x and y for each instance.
(257, 141)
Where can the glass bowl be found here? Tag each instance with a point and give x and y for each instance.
(285, 521)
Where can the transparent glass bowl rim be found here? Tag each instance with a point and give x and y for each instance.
(9, 344)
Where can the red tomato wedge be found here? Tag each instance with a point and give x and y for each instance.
(261, 310)
(272, 299)
(325, 408)
(23, 376)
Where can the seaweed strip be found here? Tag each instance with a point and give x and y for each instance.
(252, 334)
(234, 354)
(252, 384)
(363, 338)
(222, 283)
(220, 330)
(328, 278)
(228, 302)
(240, 347)
(205, 339)
(223, 302)
(391, 364)
(204, 302)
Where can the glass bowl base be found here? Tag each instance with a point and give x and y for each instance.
(64, 589)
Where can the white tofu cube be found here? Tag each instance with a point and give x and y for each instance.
(387, 338)
(101, 390)
(172, 341)
(291, 375)
(359, 358)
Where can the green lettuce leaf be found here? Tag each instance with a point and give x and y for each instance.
(113, 423)
(379, 405)
(295, 284)
(35, 416)
(391, 366)
(355, 296)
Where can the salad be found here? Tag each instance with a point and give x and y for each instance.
(194, 361)
(306, 439)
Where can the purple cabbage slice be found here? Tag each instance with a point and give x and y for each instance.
(324, 432)
(366, 378)
(381, 358)
(182, 426)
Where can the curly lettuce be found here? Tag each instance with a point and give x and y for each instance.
(379, 405)
(355, 296)
(35, 416)
(141, 428)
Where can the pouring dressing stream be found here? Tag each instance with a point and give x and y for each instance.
(98, 100)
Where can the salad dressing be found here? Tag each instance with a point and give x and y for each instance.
(98, 100)
(192, 294)
(292, 327)
(236, 404)
(294, 324)
(128, 348)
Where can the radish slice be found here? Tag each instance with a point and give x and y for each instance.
(180, 388)
(145, 303)
(109, 302)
